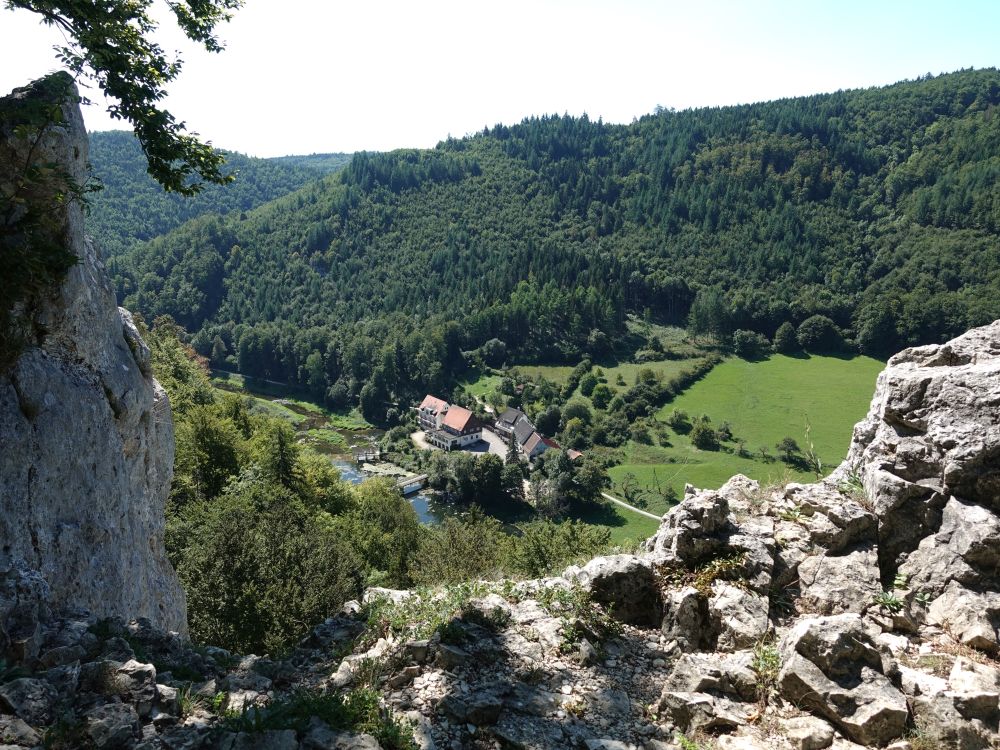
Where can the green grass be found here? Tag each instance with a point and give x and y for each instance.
(330, 437)
(667, 368)
(274, 409)
(556, 373)
(626, 526)
(483, 385)
(763, 402)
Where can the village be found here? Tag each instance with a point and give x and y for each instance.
(451, 427)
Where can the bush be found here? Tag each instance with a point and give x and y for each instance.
(750, 344)
(587, 384)
(679, 422)
(784, 339)
(258, 568)
(819, 334)
(601, 396)
(704, 437)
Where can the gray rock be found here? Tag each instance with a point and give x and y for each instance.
(833, 585)
(88, 435)
(832, 666)
(933, 431)
(450, 657)
(694, 530)
(272, 739)
(416, 651)
(29, 699)
(965, 548)
(719, 674)
(623, 583)
(807, 733)
(691, 712)
(739, 618)
(113, 725)
(15, 731)
(323, 738)
(946, 722)
(972, 618)
(686, 619)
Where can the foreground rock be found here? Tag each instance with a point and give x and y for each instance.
(87, 436)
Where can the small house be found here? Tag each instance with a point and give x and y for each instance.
(431, 412)
(536, 445)
(507, 421)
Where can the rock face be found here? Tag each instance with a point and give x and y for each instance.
(86, 436)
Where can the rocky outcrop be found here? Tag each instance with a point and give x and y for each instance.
(87, 437)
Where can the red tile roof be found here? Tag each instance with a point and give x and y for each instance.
(458, 418)
(433, 403)
(551, 443)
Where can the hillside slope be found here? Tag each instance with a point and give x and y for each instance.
(133, 207)
(877, 208)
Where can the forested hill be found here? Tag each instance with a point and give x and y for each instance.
(133, 207)
(877, 208)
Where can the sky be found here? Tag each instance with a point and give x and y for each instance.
(312, 76)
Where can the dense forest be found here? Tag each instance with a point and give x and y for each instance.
(132, 207)
(874, 213)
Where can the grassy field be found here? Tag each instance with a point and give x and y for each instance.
(626, 527)
(763, 402)
(666, 368)
(483, 385)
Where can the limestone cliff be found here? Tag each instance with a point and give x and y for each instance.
(86, 436)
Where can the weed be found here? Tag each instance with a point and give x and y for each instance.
(66, 733)
(732, 569)
(688, 743)
(793, 514)
(900, 581)
(888, 600)
(924, 599)
(358, 711)
(854, 488)
(581, 616)
(766, 664)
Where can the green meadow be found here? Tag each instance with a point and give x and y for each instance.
(813, 399)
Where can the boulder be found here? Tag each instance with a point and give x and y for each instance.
(738, 618)
(932, 433)
(625, 584)
(971, 618)
(692, 712)
(965, 548)
(111, 726)
(693, 531)
(29, 699)
(686, 619)
(807, 733)
(835, 584)
(833, 667)
(718, 674)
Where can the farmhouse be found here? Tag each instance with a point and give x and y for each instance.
(431, 412)
(458, 428)
(536, 445)
(504, 426)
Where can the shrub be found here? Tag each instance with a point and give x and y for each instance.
(784, 339)
(704, 437)
(819, 334)
(750, 344)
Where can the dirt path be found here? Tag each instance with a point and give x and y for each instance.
(622, 503)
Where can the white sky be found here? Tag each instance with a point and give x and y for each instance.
(303, 76)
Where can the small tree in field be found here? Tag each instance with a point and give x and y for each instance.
(788, 448)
